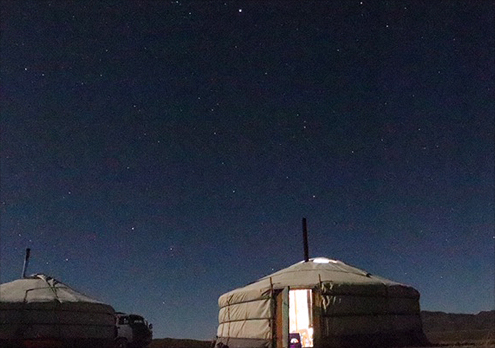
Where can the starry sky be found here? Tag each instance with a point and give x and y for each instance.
(157, 154)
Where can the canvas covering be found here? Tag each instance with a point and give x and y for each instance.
(41, 306)
(352, 302)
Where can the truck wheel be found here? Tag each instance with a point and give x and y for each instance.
(121, 343)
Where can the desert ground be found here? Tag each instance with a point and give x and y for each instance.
(446, 330)
(456, 339)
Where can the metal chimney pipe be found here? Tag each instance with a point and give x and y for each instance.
(305, 240)
(26, 261)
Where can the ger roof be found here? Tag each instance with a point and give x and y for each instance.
(320, 269)
(308, 274)
(41, 288)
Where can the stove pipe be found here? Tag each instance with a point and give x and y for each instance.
(26, 262)
(305, 240)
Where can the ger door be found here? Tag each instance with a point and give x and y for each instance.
(294, 318)
(301, 318)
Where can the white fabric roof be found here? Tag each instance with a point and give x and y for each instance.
(40, 288)
(315, 271)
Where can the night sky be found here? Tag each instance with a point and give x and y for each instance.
(157, 154)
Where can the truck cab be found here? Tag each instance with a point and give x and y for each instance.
(132, 331)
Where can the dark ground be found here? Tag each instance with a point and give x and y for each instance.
(446, 330)
(451, 339)
(177, 343)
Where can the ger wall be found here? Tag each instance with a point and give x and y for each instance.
(368, 315)
(65, 321)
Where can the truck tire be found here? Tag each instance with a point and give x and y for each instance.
(121, 343)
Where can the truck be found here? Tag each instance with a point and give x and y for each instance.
(132, 331)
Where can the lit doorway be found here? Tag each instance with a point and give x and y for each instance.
(301, 317)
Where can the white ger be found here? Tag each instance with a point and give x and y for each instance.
(40, 311)
(320, 303)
